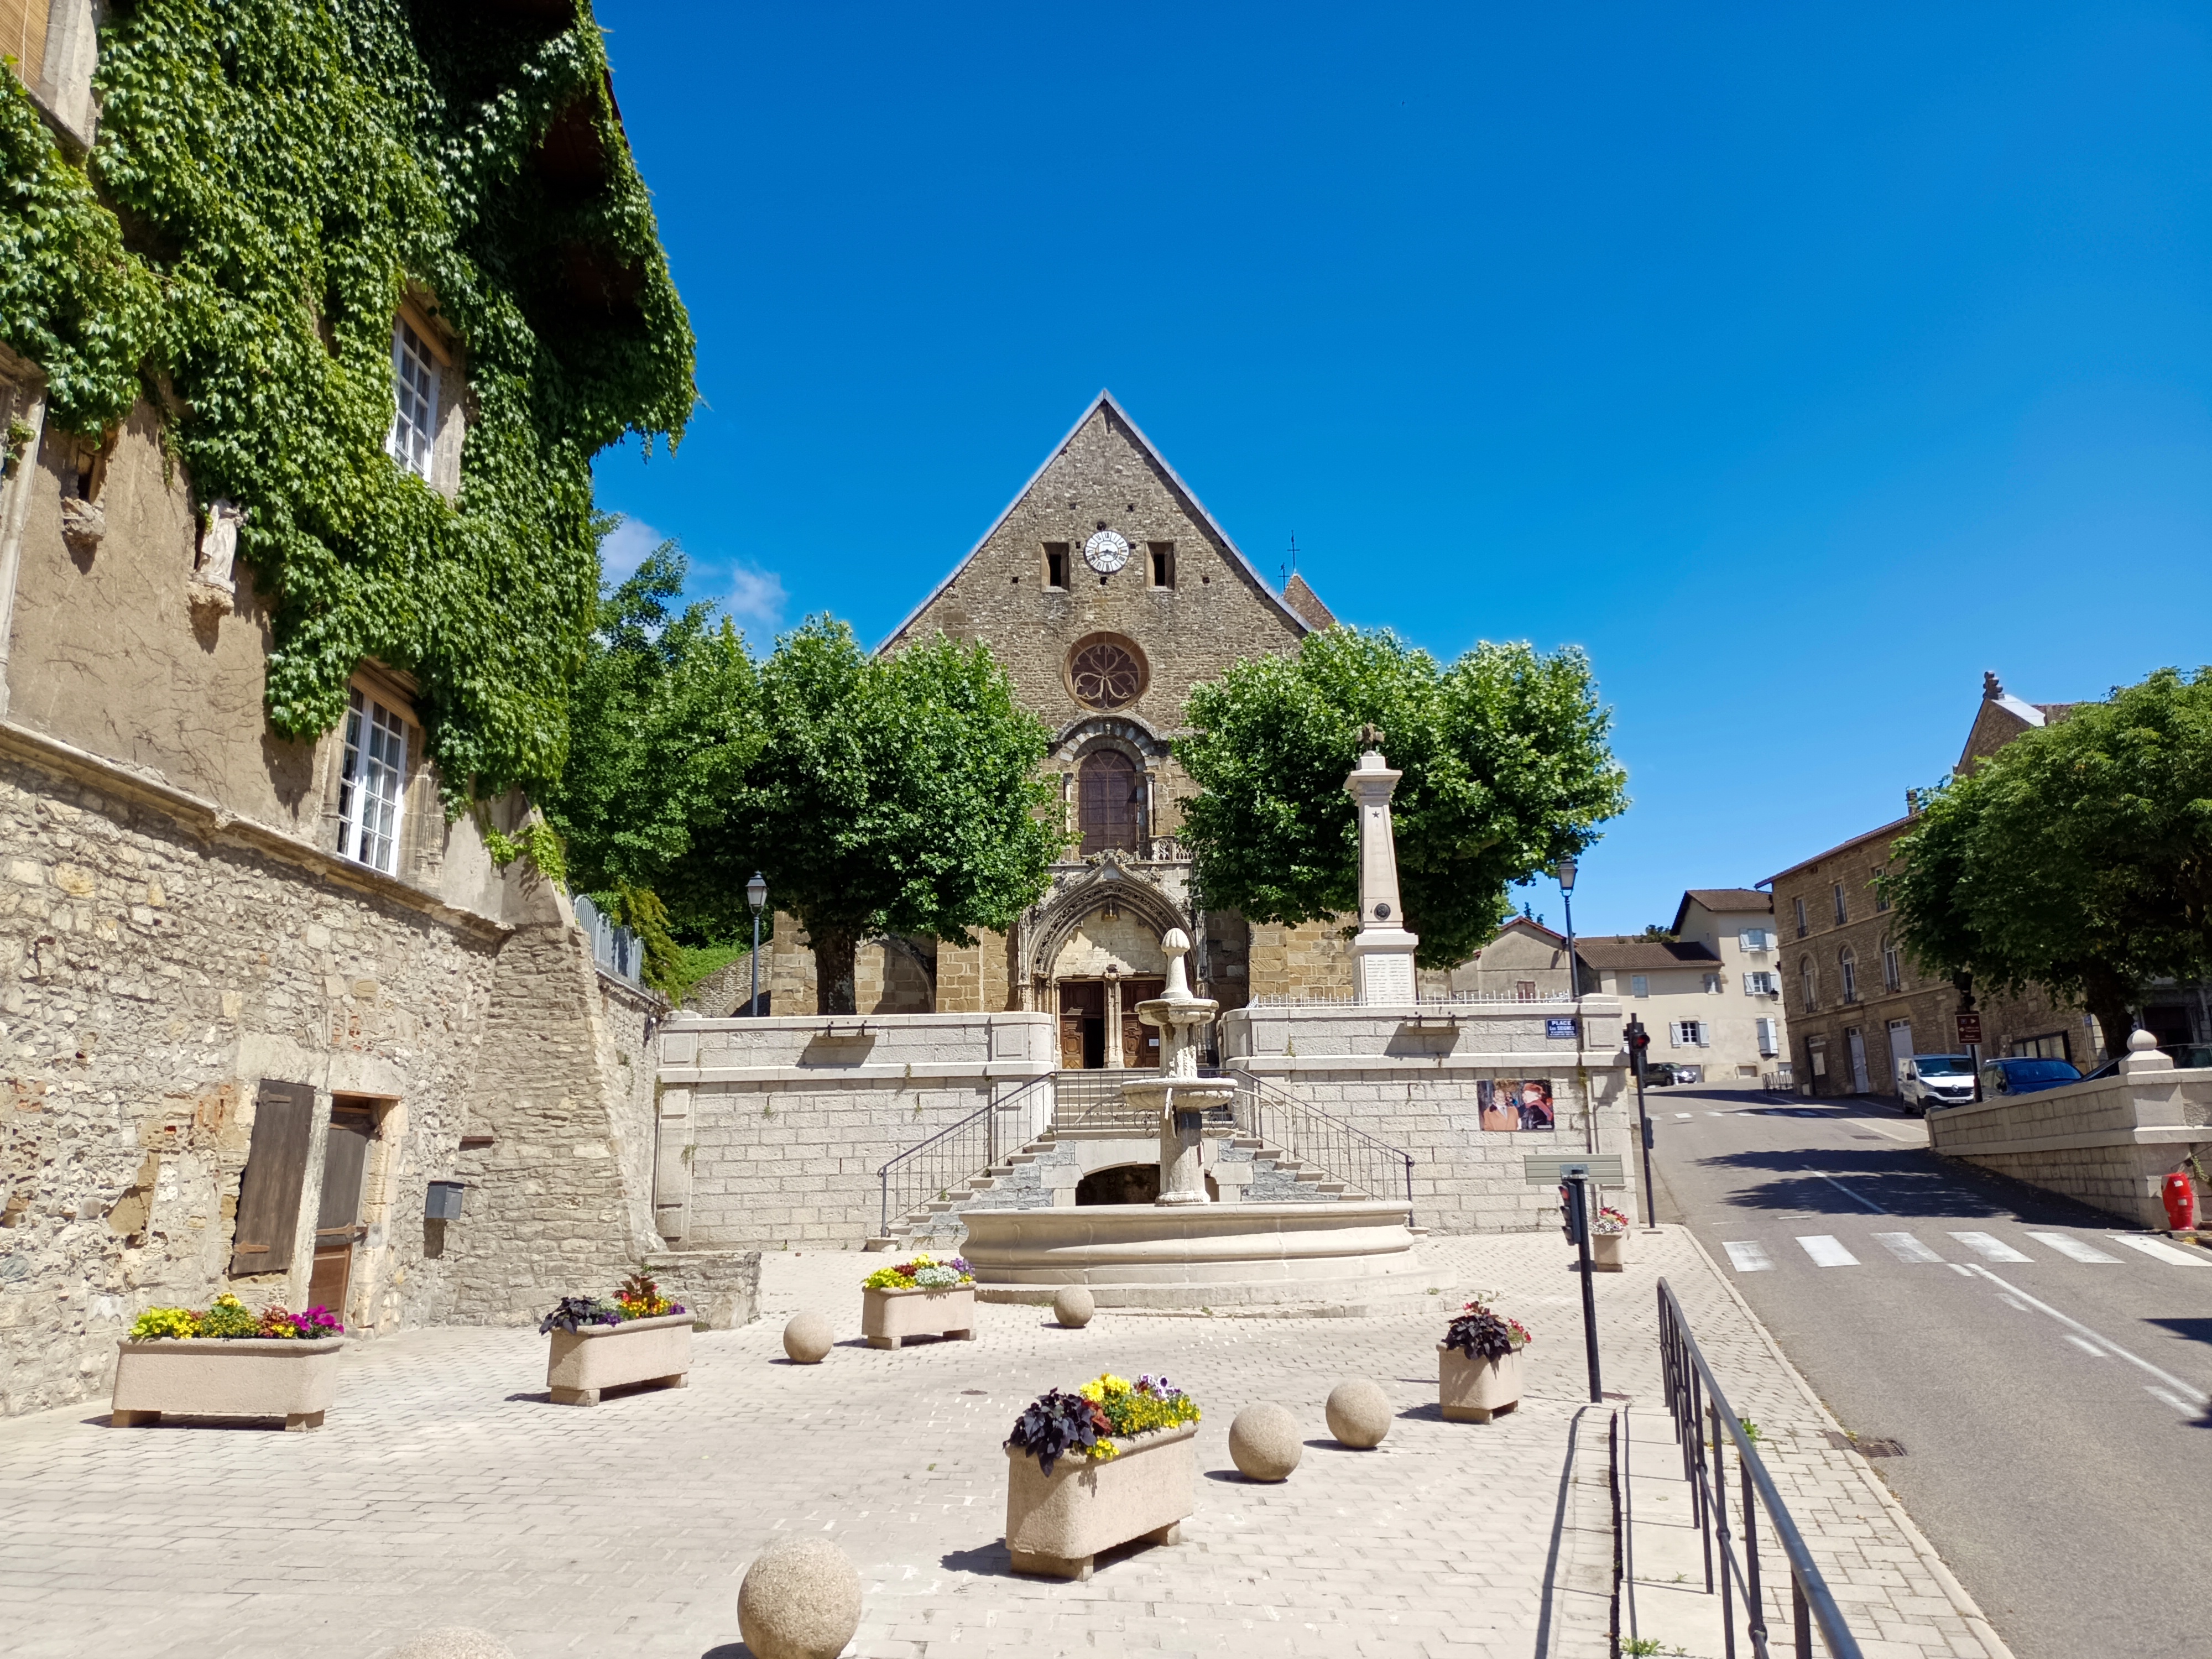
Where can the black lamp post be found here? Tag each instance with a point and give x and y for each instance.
(1566, 874)
(755, 895)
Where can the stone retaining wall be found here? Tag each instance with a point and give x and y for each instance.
(2109, 1143)
(771, 1131)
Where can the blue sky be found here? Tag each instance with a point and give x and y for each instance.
(1798, 363)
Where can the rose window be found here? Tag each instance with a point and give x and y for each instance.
(1105, 674)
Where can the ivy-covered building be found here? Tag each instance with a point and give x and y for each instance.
(312, 319)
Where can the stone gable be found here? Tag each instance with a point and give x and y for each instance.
(1106, 476)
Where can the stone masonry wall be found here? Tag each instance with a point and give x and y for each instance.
(772, 1131)
(558, 1138)
(1409, 1077)
(153, 979)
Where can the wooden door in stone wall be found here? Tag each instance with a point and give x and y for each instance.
(1140, 1043)
(338, 1220)
(1082, 1024)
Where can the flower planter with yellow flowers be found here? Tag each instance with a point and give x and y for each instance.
(1075, 1486)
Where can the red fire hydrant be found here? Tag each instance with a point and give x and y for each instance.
(2180, 1202)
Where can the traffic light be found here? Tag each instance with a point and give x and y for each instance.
(1639, 1040)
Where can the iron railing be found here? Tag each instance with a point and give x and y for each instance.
(1350, 1000)
(1329, 1144)
(1694, 1398)
(932, 1169)
(1094, 1100)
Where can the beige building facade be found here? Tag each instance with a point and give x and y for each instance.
(1856, 1004)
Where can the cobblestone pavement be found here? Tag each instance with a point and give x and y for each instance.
(446, 1489)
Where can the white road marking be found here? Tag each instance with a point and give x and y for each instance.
(2088, 1347)
(1691, 1115)
(2067, 1245)
(2188, 1391)
(1748, 1258)
(1959, 1268)
(2168, 1397)
(1708, 1115)
(1827, 1250)
(1848, 1194)
(1885, 1131)
(1905, 1248)
(1991, 1248)
(2158, 1250)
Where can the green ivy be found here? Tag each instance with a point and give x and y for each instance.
(270, 177)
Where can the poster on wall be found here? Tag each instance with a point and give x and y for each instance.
(1515, 1104)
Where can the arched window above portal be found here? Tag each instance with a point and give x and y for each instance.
(1110, 791)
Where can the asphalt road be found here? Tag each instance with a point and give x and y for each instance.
(2052, 1411)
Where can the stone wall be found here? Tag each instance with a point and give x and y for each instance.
(2109, 1143)
(1409, 1077)
(162, 960)
(771, 1130)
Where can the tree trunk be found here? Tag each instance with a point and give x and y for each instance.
(2115, 1017)
(834, 950)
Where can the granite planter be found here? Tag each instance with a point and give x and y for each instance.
(1605, 1251)
(889, 1317)
(212, 1376)
(1057, 1522)
(584, 1363)
(1476, 1390)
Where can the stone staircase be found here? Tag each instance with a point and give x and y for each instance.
(1020, 1182)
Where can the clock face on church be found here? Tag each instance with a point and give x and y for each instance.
(1106, 552)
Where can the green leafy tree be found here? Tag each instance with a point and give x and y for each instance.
(666, 721)
(2077, 858)
(1507, 771)
(892, 795)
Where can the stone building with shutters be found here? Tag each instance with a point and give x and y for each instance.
(1856, 1003)
(265, 1011)
(1108, 593)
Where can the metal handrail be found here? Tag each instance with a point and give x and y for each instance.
(1694, 1398)
(957, 1152)
(1258, 1101)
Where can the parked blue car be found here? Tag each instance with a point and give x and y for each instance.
(2025, 1077)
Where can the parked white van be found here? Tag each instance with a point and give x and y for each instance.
(1929, 1080)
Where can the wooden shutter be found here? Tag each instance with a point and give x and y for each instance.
(23, 36)
(276, 1171)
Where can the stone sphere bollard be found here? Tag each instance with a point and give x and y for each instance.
(456, 1643)
(807, 1337)
(800, 1599)
(1264, 1441)
(1359, 1412)
(1073, 1306)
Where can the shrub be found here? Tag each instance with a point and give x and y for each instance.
(1059, 1425)
(638, 1299)
(229, 1318)
(1482, 1334)
(923, 1273)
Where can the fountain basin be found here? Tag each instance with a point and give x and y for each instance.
(1347, 1257)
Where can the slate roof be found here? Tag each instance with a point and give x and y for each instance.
(1625, 951)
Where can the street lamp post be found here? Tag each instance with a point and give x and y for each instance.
(1566, 874)
(755, 895)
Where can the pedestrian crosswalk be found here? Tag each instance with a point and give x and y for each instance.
(1956, 1247)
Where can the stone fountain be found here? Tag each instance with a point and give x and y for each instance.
(1179, 1097)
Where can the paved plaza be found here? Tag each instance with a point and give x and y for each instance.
(446, 1489)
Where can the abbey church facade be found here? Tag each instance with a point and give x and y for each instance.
(1108, 593)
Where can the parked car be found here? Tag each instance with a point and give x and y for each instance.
(1658, 1074)
(2187, 1057)
(2027, 1077)
(1927, 1081)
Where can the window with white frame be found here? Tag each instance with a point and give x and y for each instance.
(1892, 969)
(371, 788)
(1770, 1043)
(1639, 985)
(1808, 984)
(1690, 1034)
(1712, 985)
(1766, 984)
(1799, 904)
(1757, 938)
(1848, 965)
(415, 396)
